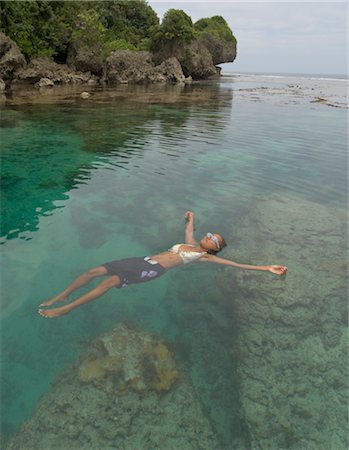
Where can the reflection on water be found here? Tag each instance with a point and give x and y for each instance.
(72, 142)
(87, 183)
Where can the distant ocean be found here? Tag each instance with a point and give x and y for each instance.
(343, 77)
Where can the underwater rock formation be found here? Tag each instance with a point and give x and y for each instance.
(292, 337)
(126, 392)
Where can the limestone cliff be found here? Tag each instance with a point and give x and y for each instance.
(171, 63)
(200, 57)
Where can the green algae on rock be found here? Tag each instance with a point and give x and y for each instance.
(126, 392)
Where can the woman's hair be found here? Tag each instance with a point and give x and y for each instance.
(222, 244)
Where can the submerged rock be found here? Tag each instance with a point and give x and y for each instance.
(123, 361)
(292, 339)
(126, 392)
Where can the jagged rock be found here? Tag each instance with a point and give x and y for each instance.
(39, 68)
(221, 51)
(195, 59)
(86, 59)
(171, 70)
(125, 66)
(45, 82)
(11, 58)
(2, 85)
(199, 57)
(126, 392)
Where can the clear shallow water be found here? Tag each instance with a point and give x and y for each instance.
(86, 184)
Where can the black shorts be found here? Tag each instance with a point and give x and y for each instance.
(135, 270)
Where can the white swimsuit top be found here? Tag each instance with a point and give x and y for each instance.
(186, 256)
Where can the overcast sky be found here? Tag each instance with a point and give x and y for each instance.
(278, 36)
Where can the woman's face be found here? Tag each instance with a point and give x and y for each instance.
(211, 241)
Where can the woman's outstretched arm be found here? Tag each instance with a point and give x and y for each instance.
(278, 270)
(189, 228)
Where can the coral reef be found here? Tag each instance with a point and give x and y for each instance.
(149, 365)
(125, 392)
(292, 336)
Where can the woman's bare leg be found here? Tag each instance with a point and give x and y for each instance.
(79, 282)
(102, 288)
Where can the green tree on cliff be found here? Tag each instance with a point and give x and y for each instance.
(216, 26)
(176, 27)
(55, 28)
(47, 28)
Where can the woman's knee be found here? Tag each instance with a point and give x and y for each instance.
(111, 282)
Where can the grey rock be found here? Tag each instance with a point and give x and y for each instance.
(199, 57)
(125, 66)
(2, 85)
(39, 68)
(11, 58)
(86, 59)
(221, 51)
(171, 70)
(45, 82)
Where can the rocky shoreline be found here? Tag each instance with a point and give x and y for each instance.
(180, 64)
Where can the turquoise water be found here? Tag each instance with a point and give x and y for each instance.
(87, 183)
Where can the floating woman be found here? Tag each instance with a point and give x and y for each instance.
(123, 272)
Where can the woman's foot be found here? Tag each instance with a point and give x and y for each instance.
(58, 298)
(50, 313)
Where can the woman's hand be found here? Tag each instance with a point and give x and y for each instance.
(278, 270)
(189, 216)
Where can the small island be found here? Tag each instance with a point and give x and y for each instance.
(106, 43)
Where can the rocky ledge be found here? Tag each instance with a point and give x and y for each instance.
(173, 64)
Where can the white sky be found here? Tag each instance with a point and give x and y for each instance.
(278, 36)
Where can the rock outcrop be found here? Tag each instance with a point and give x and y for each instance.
(125, 66)
(126, 392)
(45, 68)
(11, 59)
(173, 63)
(199, 57)
(221, 51)
(85, 59)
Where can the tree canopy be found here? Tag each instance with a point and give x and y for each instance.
(48, 28)
(217, 26)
